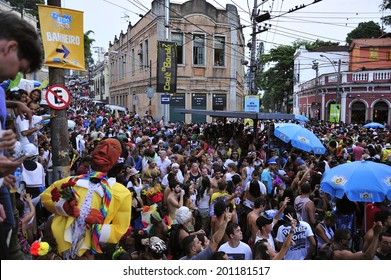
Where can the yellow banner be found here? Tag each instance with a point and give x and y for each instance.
(62, 37)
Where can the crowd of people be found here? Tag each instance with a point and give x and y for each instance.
(142, 189)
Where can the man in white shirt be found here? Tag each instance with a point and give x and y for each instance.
(235, 248)
(27, 131)
(79, 139)
(162, 162)
(304, 246)
(176, 173)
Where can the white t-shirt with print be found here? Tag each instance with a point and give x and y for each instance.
(299, 250)
(242, 252)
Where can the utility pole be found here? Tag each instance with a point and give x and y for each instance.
(150, 85)
(315, 108)
(338, 96)
(167, 35)
(253, 65)
(256, 18)
(59, 125)
(315, 66)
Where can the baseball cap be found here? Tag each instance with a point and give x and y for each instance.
(30, 150)
(175, 165)
(263, 221)
(271, 161)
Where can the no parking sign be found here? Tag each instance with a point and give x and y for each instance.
(58, 97)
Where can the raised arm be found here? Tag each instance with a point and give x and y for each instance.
(27, 218)
(281, 210)
(219, 234)
(288, 241)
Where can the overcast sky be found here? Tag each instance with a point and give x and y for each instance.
(328, 20)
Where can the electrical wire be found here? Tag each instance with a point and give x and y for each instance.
(274, 34)
(268, 42)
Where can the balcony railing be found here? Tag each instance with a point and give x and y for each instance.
(330, 79)
(382, 75)
(360, 77)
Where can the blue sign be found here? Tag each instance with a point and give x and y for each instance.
(165, 99)
(251, 103)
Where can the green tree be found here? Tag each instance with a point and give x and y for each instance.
(87, 49)
(365, 30)
(386, 5)
(26, 6)
(276, 81)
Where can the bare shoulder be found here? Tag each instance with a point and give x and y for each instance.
(347, 255)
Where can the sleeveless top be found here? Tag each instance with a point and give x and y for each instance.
(136, 214)
(329, 233)
(173, 241)
(249, 171)
(194, 177)
(300, 203)
(203, 203)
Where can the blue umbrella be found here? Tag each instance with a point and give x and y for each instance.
(373, 125)
(361, 181)
(301, 118)
(299, 137)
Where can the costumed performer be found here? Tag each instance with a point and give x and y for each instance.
(90, 209)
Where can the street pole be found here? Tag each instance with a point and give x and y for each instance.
(338, 73)
(315, 66)
(253, 66)
(338, 95)
(316, 82)
(338, 99)
(149, 85)
(59, 125)
(167, 21)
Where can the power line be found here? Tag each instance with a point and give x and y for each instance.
(318, 22)
(354, 13)
(274, 34)
(126, 9)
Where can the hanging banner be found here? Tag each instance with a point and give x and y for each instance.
(251, 103)
(166, 67)
(335, 112)
(62, 37)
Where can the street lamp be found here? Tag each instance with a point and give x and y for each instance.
(315, 107)
(337, 95)
(337, 111)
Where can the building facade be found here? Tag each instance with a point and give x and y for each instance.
(100, 76)
(210, 48)
(357, 81)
